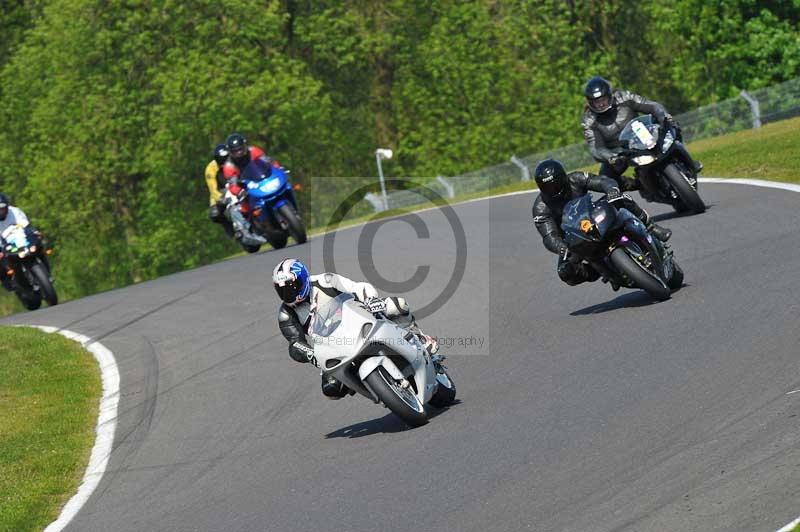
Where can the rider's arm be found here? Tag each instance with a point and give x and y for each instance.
(596, 183)
(19, 216)
(362, 291)
(299, 348)
(258, 153)
(643, 105)
(597, 146)
(214, 193)
(547, 227)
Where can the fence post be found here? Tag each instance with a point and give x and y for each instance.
(754, 109)
(376, 202)
(526, 173)
(451, 193)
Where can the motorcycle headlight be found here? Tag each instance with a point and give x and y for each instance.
(669, 138)
(644, 160)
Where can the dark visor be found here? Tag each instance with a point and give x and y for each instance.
(288, 292)
(600, 104)
(551, 187)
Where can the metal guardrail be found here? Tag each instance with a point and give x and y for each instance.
(750, 110)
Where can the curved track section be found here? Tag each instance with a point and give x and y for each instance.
(585, 409)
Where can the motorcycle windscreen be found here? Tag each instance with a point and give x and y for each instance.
(578, 226)
(257, 170)
(641, 133)
(603, 215)
(15, 236)
(328, 317)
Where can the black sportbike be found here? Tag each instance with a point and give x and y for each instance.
(662, 166)
(28, 270)
(617, 245)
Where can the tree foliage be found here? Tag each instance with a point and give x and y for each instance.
(111, 108)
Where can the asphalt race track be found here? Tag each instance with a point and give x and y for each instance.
(583, 410)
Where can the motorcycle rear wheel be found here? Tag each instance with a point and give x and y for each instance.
(31, 301)
(634, 271)
(277, 240)
(444, 396)
(676, 281)
(403, 403)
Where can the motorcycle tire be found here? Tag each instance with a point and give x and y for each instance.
(30, 301)
(444, 396)
(277, 240)
(676, 281)
(46, 289)
(627, 266)
(251, 248)
(296, 226)
(686, 193)
(388, 392)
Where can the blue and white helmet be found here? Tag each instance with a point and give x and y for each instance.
(292, 281)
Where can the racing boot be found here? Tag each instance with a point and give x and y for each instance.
(661, 233)
(333, 389)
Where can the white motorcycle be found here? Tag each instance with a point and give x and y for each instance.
(377, 358)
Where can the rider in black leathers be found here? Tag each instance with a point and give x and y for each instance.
(606, 115)
(556, 188)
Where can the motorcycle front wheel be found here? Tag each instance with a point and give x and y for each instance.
(42, 277)
(296, 226)
(401, 401)
(686, 192)
(634, 271)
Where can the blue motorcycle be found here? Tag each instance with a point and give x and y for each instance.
(273, 206)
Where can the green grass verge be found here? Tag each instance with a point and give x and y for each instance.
(767, 153)
(49, 399)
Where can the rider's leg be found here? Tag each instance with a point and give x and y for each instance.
(661, 233)
(615, 171)
(575, 272)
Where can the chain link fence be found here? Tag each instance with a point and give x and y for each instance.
(749, 110)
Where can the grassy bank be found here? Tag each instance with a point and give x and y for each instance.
(49, 398)
(767, 153)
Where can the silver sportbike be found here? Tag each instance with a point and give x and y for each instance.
(372, 355)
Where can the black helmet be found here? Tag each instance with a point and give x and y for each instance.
(4, 203)
(598, 95)
(221, 154)
(237, 145)
(551, 177)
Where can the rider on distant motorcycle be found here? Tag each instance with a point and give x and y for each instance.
(215, 182)
(241, 154)
(302, 294)
(9, 216)
(606, 115)
(556, 189)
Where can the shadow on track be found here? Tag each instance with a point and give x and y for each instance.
(388, 424)
(628, 300)
(672, 215)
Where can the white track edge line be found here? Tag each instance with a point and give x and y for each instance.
(106, 425)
